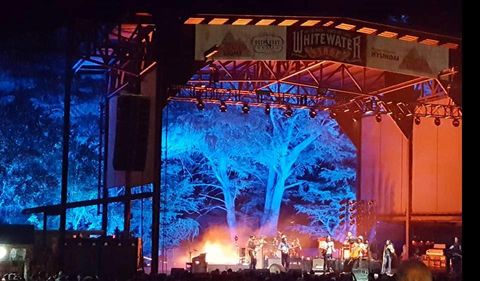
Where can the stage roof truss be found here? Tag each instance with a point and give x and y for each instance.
(349, 24)
(303, 83)
(122, 51)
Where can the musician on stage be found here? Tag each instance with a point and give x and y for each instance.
(251, 246)
(388, 253)
(328, 252)
(350, 239)
(284, 248)
(296, 248)
(454, 254)
(356, 253)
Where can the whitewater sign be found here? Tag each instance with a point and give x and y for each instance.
(326, 44)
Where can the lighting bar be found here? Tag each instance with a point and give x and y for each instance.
(287, 22)
(388, 34)
(345, 26)
(194, 20)
(218, 21)
(310, 23)
(242, 21)
(264, 22)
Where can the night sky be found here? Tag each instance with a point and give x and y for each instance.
(444, 17)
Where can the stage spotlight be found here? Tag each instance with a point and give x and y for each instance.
(200, 104)
(370, 106)
(333, 114)
(223, 107)
(245, 108)
(456, 122)
(437, 121)
(3, 252)
(417, 120)
(288, 111)
(312, 113)
(267, 109)
(378, 117)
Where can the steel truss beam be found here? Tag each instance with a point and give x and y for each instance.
(319, 101)
(309, 77)
(55, 209)
(123, 51)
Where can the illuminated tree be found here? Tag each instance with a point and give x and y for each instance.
(296, 145)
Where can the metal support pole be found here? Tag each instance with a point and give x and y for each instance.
(106, 122)
(157, 131)
(66, 140)
(127, 205)
(408, 216)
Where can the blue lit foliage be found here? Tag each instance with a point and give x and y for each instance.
(31, 114)
(244, 166)
(218, 168)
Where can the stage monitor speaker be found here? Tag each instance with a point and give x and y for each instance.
(276, 268)
(271, 261)
(131, 137)
(296, 263)
(177, 273)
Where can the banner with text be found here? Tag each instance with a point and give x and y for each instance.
(241, 42)
(406, 57)
(321, 43)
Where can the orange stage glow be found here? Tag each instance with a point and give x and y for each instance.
(220, 253)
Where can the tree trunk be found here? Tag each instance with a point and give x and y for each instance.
(271, 212)
(231, 218)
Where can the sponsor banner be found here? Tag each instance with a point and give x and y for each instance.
(241, 42)
(406, 57)
(321, 43)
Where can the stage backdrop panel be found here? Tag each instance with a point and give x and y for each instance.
(384, 165)
(437, 168)
(118, 178)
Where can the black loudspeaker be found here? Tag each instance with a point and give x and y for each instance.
(177, 272)
(296, 263)
(81, 255)
(119, 258)
(131, 136)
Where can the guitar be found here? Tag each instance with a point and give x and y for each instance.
(284, 248)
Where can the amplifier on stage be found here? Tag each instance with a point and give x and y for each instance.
(318, 264)
(296, 263)
(434, 252)
(199, 264)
